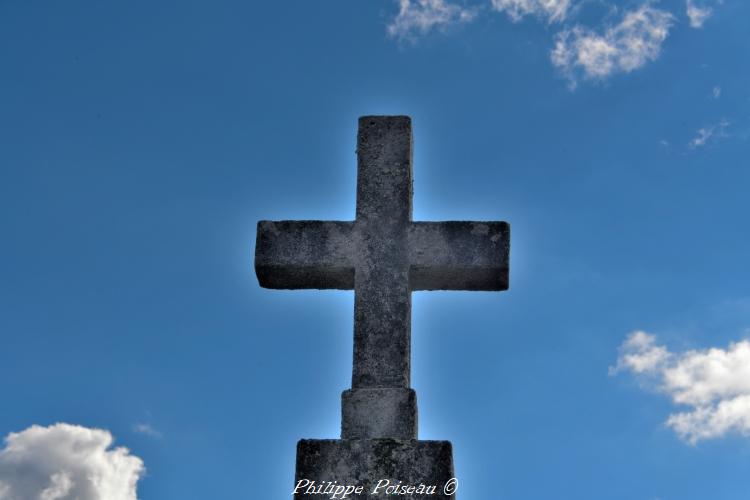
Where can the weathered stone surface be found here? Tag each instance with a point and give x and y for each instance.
(381, 412)
(365, 462)
(305, 254)
(458, 255)
(383, 256)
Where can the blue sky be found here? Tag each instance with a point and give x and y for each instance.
(140, 142)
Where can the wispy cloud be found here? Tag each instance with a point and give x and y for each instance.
(697, 14)
(551, 10)
(713, 383)
(716, 92)
(65, 461)
(593, 53)
(707, 134)
(418, 17)
(583, 53)
(147, 430)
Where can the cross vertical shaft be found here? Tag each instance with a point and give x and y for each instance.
(382, 300)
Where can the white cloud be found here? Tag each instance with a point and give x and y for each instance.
(552, 10)
(59, 488)
(622, 48)
(417, 17)
(147, 430)
(705, 134)
(698, 15)
(66, 462)
(713, 383)
(640, 354)
(716, 92)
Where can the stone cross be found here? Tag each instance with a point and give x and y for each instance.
(383, 256)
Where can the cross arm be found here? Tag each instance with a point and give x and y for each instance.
(459, 255)
(304, 254)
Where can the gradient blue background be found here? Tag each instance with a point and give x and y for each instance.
(141, 141)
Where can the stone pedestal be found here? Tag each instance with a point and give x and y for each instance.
(379, 451)
(371, 462)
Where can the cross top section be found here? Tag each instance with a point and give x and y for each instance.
(383, 255)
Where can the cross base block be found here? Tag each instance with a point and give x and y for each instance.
(376, 465)
(379, 413)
